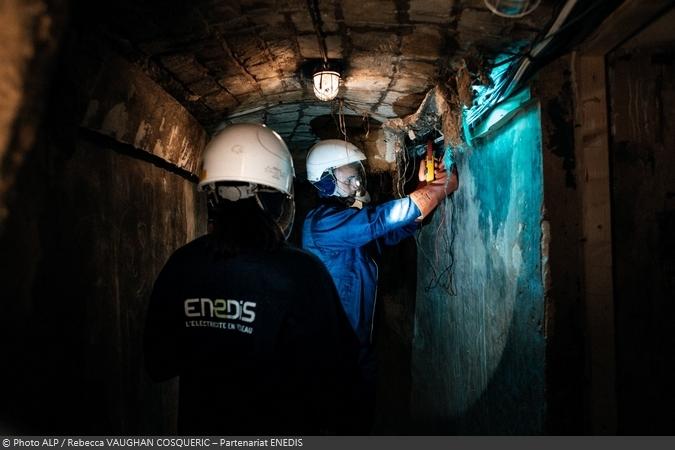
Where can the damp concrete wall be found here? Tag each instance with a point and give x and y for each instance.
(478, 352)
(102, 198)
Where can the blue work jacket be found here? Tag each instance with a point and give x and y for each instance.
(347, 240)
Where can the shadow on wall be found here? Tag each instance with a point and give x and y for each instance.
(494, 399)
(394, 316)
(90, 227)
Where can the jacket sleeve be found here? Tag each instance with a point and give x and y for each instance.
(162, 328)
(356, 227)
(397, 235)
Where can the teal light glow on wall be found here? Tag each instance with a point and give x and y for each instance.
(500, 113)
(479, 356)
(485, 97)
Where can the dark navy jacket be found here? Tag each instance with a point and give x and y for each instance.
(340, 237)
(259, 341)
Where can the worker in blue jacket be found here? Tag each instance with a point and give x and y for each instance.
(346, 233)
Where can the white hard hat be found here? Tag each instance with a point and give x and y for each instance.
(249, 160)
(329, 154)
(248, 153)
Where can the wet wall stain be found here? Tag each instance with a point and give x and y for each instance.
(479, 356)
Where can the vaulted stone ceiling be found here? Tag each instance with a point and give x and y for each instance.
(247, 60)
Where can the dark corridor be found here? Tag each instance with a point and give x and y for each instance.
(536, 300)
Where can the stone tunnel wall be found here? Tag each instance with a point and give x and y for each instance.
(478, 348)
(92, 218)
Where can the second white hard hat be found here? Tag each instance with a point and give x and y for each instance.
(328, 154)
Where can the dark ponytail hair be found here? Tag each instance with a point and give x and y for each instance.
(240, 226)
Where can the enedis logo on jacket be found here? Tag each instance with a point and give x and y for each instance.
(220, 313)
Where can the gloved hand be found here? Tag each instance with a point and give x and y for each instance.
(429, 194)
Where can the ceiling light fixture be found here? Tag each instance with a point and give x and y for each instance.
(511, 9)
(326, 84)
(326, 79)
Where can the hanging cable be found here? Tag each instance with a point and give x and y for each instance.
(315, 13)
(511, 70)
(442, 278)
(341, 117)
(366, 118)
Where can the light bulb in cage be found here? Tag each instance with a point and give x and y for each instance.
(326, 84)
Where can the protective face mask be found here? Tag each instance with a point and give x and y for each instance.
(350, 181)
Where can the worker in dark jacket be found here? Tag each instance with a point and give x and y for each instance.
(346, 233)
(253, 327)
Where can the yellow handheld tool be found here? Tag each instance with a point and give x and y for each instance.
(430, 160)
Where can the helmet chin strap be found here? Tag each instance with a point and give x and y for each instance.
(283, 221)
